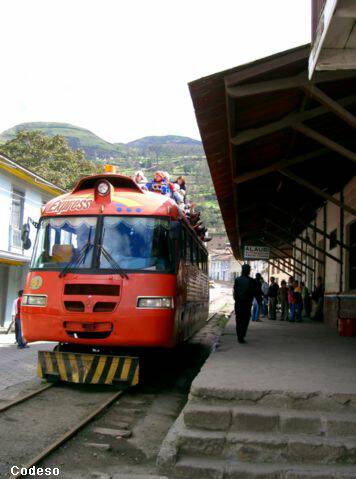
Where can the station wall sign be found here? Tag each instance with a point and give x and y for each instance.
(256, 252)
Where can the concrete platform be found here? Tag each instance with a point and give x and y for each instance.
(282, 406)
(280, 356)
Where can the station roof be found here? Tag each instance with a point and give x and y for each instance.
(334, 35)
(270, 136)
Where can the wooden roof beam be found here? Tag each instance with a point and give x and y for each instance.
(308, 243)
(314, 135)
(250, 175)
(279, 238)
(317, 191)
(306, 225)
(283, 252)
(292, 266)
(287, 122)
(278, 267)
(331, 104)
(279, 84)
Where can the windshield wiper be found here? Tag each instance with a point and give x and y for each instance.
(115, 265)
(76, 261)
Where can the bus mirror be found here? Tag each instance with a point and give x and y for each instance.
(174, 232)
(25, 236)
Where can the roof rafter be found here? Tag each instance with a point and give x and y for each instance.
(279, 238)
(283, 252)
(287, 122)
(324, 140)
(317, 191)
(250, 175)
(331, 104)
(279, 84)
(309, 243)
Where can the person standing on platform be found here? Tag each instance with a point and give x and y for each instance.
(21, 343)
(265, 298)
(283, 300)
(318, 298)
(245, 290)
(257, 301)
(297, 303)
(272, 298)
(306, 299)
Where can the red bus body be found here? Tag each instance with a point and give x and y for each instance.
(99, 308)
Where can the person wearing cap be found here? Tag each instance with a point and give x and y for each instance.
(159, 184)
(245, 290)
(140, 179)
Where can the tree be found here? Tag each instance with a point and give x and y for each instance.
(49, 157)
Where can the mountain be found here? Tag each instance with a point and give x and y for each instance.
(179, 155)
(96, 148)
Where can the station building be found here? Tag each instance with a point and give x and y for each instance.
(22, 194)
(281, 149)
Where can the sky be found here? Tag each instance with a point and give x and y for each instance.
(120, 68)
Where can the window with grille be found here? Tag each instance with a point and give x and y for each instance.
(333, 239)
(16, 219)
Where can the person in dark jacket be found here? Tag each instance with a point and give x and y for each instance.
(257, 302)
(245, 289)
(272, 298)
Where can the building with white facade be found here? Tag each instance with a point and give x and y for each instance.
(22, 194)
(223, 266)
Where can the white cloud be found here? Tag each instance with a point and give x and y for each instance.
(120, 67)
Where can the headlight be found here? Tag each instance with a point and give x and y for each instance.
(103, 188)
(34, 300)
(155, 303)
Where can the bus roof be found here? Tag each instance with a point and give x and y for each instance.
(125, 198)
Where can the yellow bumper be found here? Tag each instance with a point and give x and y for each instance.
(88, 368)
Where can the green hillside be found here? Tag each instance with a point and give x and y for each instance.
(77, 138)
(176, 154)
(96, 148)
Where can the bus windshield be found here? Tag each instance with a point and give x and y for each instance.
(61, 241)
(137, 243)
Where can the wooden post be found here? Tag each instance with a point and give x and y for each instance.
(315, 241)
(324, 242)
(341, 211)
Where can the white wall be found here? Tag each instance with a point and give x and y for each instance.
(5, 209)
(332, 268)
(33, 200)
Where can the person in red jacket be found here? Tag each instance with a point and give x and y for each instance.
(21, 343)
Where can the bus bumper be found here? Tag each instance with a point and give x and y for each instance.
(88, 368)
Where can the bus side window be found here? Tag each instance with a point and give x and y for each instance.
(184, 244)
(188, 247)
(195, 258)
(202, 260)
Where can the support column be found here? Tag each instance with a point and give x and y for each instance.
(342, 218)
(324, 240)
(315, 265)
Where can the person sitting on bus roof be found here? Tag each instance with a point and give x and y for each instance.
(140, 179)
(181, 182)
(176, 194)
(159, 184)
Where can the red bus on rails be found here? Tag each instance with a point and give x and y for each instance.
(113, 267)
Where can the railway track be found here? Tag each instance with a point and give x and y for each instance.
(47, 418)
(40, 423)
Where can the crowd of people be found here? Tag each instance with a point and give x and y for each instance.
(177, 191)
(254, 297)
